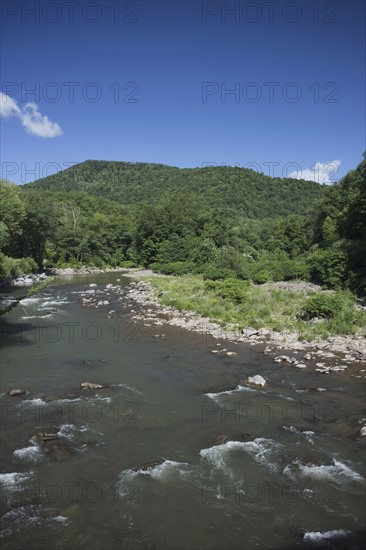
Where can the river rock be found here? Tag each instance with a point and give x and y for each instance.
(93, 285)
(285, 358)
(363, 431)
(39, 395)
(282, 358)
(92, 386)
(321, 345)
(300, 365)
(258, 380)
(230, 353)
(16, 392)
(149, 465)
(46, 436)
(49, 398)
(249, 332)
(219, 440)
(307, 357)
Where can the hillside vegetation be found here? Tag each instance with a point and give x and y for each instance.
(217, 222)
(250, 193)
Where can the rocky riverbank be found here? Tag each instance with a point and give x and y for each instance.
(327, 354)
(84, 270)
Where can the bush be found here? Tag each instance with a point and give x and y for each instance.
(128, 263)
(213, 272)
(323, 305)
(329, 266)
(174, 268)
(262, 277)
(297, 269)
(13, 267)
(230, 289)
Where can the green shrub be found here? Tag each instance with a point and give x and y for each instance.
(297, 268)
(262, 277)
(328, 266)
(174, 268)
(322, 305)
(13, 267)
(213, 272)
(230, 289)
(128, 264)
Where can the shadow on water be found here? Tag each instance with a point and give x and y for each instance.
(14, 333)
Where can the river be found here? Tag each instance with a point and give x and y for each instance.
(233, 466)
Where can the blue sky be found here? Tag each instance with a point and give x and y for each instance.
(150, 81)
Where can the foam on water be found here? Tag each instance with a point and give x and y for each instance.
(35, 401)
(59, 302)
(33, 453)
(260, 448)
(307, 433)
(161, 472)
(12, 480)
(100, 398)
(47, 316)
(316, 536)
(217, 396)
(338, 471)
(61, 519)
(68, 431)
(127, 387)
(30, 301)
(26, 517)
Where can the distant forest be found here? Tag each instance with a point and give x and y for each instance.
(222, 222)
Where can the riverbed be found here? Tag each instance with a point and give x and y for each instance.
(179, 451)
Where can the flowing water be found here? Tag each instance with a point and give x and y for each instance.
(291, 460)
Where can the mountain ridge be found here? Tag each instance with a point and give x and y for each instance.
(253, 194)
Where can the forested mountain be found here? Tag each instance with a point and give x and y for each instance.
(250, 193)
(219, 222)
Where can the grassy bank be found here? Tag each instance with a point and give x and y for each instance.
(258, 307)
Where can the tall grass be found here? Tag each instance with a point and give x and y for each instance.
(274, 309)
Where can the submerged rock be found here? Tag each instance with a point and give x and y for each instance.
(58, 450)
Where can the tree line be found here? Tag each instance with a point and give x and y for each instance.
(222, 224)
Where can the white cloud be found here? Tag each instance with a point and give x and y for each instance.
(33, 121)
(321, 173)
(8, 107)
